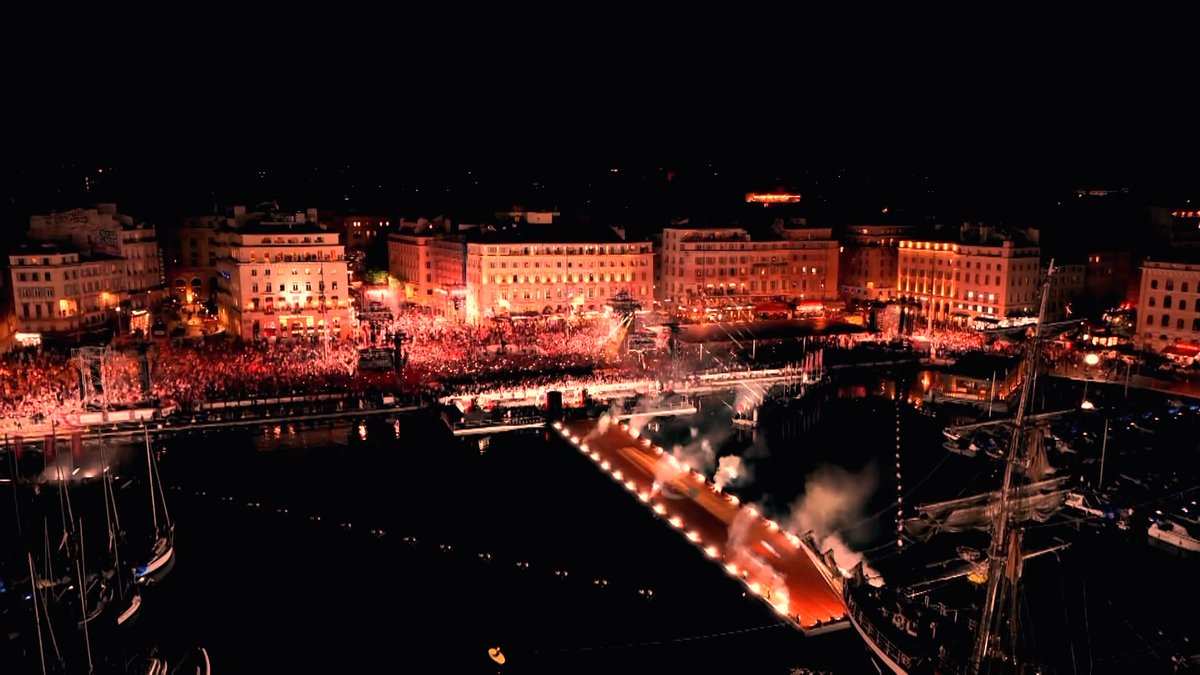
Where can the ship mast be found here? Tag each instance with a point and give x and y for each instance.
(1004, 538)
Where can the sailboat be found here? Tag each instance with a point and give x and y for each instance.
(163, 551)
(128, 596)
(941, 624)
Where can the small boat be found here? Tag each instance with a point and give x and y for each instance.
(163, 551)
(1176, 531)
(130, 612)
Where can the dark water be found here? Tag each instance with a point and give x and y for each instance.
(524, 546)
(428, 551)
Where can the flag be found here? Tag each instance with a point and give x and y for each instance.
(48, 452)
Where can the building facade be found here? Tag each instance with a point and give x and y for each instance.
(103, 231)
(548, 278)
(360, 231)
(283, 280)
(869, 258)
(60, 292)
(1109, 280)
(432, 270)
(1167, 305)
(957, 283)
(1066, 288)
(724, 271)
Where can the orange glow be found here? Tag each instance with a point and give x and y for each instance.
(771, 198)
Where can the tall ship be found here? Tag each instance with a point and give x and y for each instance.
(950, 606)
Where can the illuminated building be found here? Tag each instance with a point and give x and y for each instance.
(769, 198)
(955, 283)
(283, 279)
(62, 292)
(430, 264)
(1168, 306)
(725, 273)
(511, 277)
(869, 256)
(104, 231)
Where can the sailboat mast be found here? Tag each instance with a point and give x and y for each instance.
(87, 640)
(37, 617)
(110, 515)
(12, 459)
(150, 473)
(998, 551)
(162, 495)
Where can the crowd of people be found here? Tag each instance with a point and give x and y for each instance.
(514, 355)
(462, 355)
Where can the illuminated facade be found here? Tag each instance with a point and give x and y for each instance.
(432, 270)
(868, 263)
(955, 283)
(724, 271)
(104, 231)
(546, 278)
(1168, 305)
(59, 291)
(283, 280)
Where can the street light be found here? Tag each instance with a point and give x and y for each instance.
(1092, 359)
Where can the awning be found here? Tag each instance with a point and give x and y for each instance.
(1189, 349)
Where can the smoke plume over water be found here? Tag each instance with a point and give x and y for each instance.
(833, 501)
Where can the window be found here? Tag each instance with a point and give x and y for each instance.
(1170, 284)
(1196, 325)
(295, 288)
(1149, 319)
(308, 285)
(267, 272)
(1154, 284)
(1183, 305)
(1166, 320)
(1167, 302)
(268, 288)
(1152, 301)
(1179, 324)
(1184, 287)
(253, 272)
(254, 288)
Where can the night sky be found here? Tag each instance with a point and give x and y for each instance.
(963, 127)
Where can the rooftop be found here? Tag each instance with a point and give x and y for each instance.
(267, 227)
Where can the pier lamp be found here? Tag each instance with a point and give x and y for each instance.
(1092, 359)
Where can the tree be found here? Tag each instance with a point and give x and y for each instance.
(376, 277)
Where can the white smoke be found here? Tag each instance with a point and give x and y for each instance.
(730, 470)
(833, 500)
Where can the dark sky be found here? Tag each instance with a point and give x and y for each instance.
(950, 128)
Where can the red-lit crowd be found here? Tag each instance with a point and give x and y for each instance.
(452, 354)
(34, 385)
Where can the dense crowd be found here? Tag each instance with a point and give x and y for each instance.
(449, 353)
(442, 356)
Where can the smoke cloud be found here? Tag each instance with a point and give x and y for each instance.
(833, 500)
(730, 471)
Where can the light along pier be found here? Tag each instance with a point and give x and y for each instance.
(774, 564)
